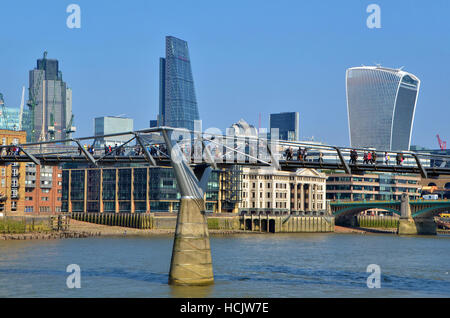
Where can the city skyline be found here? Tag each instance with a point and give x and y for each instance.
(242, 84)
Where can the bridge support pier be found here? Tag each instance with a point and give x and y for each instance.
(417, 226)
(408, 225)
(191, 262)
(191, 255)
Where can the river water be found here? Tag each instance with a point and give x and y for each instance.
(276, 265)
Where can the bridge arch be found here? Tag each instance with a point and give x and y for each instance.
(349, 211)
(431, 211)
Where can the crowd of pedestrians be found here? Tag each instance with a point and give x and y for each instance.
(11, 150)
(302, 154)
(157, 150)
(370, 157)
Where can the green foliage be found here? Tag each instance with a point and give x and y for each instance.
(213, 224)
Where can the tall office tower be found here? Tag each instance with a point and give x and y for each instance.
(50, 103)
(177, 102)
(287, 124)
(111, 125)
(381, 103)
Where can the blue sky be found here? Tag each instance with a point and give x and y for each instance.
(248, 57)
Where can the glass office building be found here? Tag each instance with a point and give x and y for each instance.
(177, 101)
(287, 124)
(10, 118)
(137, 189)
(381, 103)
(111, 125)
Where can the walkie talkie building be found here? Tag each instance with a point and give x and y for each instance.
(381, 103)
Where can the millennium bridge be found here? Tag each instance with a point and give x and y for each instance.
(193, 155)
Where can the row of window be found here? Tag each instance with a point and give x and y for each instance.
(381, 180)
(42, 209)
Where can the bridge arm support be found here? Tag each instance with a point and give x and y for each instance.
(147, 154)
(344, 163)
(32, 158)
(85, 152)
(423, 172)
(191, 262)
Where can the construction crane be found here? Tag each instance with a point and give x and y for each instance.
(70, 128)
(442, 144)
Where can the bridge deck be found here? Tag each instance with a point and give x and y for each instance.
(292, 165)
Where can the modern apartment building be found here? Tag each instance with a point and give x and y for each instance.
(269, 190)
(43, 189)
(12, 176)
(381, 103)
(26, 188)
(371, 186)
(177, 100)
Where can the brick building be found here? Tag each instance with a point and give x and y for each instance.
(43, 189)
(12, 176)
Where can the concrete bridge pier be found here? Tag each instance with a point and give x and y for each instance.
(408, 225)
(191, 262)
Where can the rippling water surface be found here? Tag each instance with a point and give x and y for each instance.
(279, 265)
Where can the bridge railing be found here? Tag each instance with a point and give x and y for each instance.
(214, 148)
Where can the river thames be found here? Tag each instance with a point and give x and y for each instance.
(277, 265)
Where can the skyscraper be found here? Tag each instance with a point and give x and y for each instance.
(287, 124)
(177, 101)
(111, 125)
(50, 103)
(381, 103)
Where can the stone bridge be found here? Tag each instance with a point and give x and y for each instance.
(416, 217)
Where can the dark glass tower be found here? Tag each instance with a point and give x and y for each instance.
(287, 124)
(177, 101)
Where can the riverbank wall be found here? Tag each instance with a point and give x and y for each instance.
(26, 224)
(222, 221)
(369, 221)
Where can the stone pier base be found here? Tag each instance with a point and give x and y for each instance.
(191, 255)
(417, 226)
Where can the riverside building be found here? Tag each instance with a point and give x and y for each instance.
(268, 190)
(140, 189)
(371, 186)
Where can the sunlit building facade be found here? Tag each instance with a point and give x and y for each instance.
(177, 100)
(139, 189)
(381, 103)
